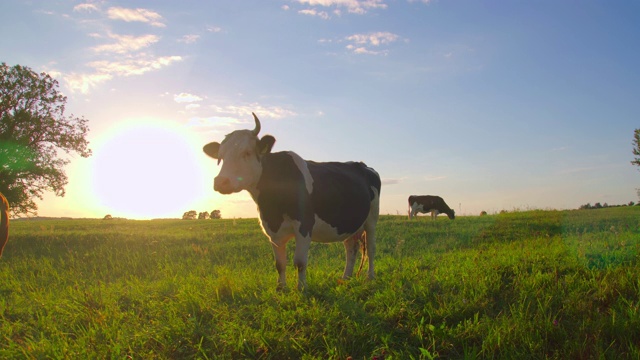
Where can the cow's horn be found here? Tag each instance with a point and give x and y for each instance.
(257, 129)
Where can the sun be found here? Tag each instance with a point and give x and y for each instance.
(146, 169)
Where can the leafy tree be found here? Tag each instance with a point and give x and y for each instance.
(636, 147)
(203, 215)
(189, 215)
(215, 214)
(33, 132)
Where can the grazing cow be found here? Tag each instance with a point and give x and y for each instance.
(310, 201)
(429, 203)
(4, 223)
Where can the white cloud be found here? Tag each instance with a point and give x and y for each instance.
(121, 55)
(313, 12)
(244, 111)
(106, 70)
(235, 116)
(238, 115)
(139, 15)
(133, 66)
(85, 7)
(362, 43)
(352, 6)
(189, 39)
(83, 83)
(374, 39)
(364, 51)
(214, 29)
(192, 106)
(186, 98)
(127, 43)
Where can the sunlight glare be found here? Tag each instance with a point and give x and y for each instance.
(147, 169)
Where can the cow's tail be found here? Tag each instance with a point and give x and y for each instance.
(362, 239)
(4, 223)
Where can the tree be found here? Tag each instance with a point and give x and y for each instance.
(33, 132)
(189, 215)
(203, 215)
(636, 147)
(215, 214)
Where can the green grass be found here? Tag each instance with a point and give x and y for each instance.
(535, 284)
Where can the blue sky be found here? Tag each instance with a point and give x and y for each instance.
(491, 104)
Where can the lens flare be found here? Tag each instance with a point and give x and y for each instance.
(147, 169)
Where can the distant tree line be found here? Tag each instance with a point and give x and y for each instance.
(597, 205)
(192, 215)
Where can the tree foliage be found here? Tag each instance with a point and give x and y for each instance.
(636, 147)
(36, 138)
(189, 215)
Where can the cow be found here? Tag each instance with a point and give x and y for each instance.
(324, 202)
(429, 203)
(4, 223)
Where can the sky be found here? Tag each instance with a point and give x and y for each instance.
(493, 105)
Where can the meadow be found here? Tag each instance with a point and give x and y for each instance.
(533, 284)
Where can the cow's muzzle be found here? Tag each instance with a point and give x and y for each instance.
(222, 185)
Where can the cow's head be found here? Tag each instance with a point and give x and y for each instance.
(240, 153)
(451, 214)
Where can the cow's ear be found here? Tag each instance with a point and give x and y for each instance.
(265, 144)
(211, 149)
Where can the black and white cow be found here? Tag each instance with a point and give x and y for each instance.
(306, 200)
(429, 203)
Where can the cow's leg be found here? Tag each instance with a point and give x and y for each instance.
(280, 253)
(413, 211)
(351, 245)
(370, 232)
(300, 259)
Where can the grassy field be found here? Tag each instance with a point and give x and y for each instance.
(536, 284)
